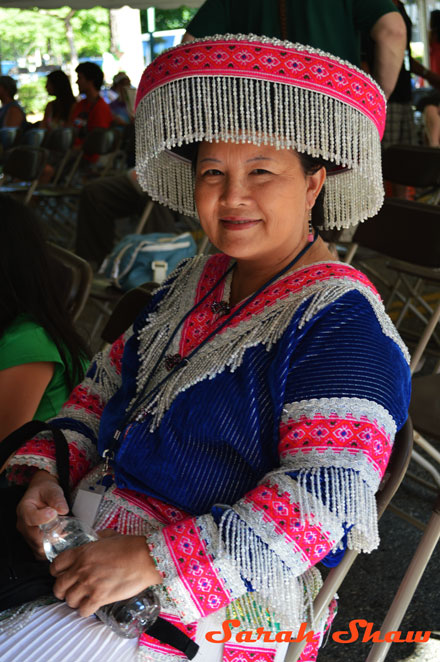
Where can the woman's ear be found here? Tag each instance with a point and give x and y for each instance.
(314, 185)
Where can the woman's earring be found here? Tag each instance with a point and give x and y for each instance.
(311, 235)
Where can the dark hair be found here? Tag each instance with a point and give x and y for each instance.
(92, 72)
(63, 93)
(310, 165)
(34, 283)
(435, 23)
(9, 84)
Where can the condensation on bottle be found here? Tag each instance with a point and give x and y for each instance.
(127, 618)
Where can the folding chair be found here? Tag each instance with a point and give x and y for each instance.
(414, 165)
(425, 412)
(8, 136)
(101, 142)
(58, 143)
(81, 279)
(409, 165)
(23, 163)
(32, 137)
(126, 310)
(59, 200)
(398, 235)
(393, 477)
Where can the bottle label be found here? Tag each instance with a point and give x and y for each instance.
(87, 502)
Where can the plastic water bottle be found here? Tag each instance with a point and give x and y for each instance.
(127, 618)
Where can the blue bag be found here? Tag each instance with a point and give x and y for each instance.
(142, 258)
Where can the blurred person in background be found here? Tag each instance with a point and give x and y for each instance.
(11, 113)
(429, 106)
(57, 112)
(122, 106)
(334, 26)
(91, 112)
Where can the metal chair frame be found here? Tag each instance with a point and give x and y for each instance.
(393, 477)
(81, 281)
(26, 164)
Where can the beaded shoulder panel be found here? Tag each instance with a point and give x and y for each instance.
(269, 316)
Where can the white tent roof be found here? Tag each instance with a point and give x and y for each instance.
(111, 4)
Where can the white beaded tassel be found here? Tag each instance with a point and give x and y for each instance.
(248, 110)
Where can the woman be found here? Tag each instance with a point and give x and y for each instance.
(11, 113)
(248, 416)
(57, 112)
(122, 109)
(42, 357)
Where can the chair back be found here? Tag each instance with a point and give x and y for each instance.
(400, 231)
(126, 310)
(33, 137)
(81, 280)
(25, 162)
(59, 140)
(8, 135)
(412, 165)
(100, 141)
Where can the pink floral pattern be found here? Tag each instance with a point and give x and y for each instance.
(234, 653)
(308, 537)
(269, 62)
(337, 434)
(194, 566)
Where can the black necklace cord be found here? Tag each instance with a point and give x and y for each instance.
(110, 452)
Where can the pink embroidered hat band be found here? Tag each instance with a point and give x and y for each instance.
(243, 88)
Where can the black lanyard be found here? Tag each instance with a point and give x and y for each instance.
(109, 453)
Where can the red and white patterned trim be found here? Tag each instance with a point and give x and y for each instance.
(290, 64)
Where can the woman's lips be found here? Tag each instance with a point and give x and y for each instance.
(235, 223)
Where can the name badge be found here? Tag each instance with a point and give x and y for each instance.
(87, 502)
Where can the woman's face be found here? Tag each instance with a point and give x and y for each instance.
(254, 201)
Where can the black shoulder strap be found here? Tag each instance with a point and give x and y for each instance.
(13, 442)
(168, 633)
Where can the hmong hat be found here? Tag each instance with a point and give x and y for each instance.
(249, 89)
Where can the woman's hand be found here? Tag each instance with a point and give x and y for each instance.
(113, 568)
(42, 501)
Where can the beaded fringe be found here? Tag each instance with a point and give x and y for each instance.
(289, 599)
(253, 111)
(348, 497)
(279, 600)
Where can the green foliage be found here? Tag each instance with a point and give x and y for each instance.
(92, 31)
(169, 19)
(33, 96)
(24, 31)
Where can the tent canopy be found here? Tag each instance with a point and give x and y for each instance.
(111, 4)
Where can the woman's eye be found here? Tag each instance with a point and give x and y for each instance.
(260, 171)
(212, 172)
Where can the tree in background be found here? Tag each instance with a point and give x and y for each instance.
(56, 37)
(169, 19)
(63, 34)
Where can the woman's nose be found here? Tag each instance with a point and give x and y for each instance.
(235, 191)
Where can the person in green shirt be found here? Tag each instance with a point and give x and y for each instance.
(334, 27)
(42, 357)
